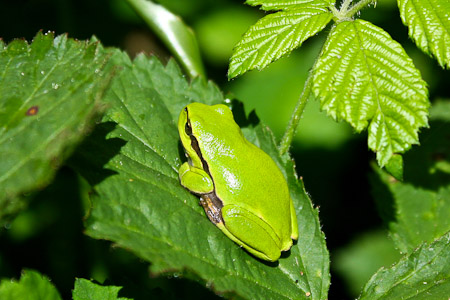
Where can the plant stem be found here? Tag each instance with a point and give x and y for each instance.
(345, 5)
(296, 116)
(357, 7)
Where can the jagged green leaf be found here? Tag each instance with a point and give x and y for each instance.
(133, 158)
(31, 286)
(417, 210)
(278, 34)
(284, 4)
(429, 26)
(425, 274)
(49, 93)
(365, 78)
(87, 290)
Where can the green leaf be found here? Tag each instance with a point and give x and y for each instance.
(429, 26)
(395, 166)
(32, 286)
(276, 35)
(176, 35)
(49, 95)
(87, 290)
(285, 4)
(425, 274)
(140, 205)
(418, 209)
(365, 78)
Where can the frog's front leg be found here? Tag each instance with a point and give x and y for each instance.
(251, 232)
(196, 180)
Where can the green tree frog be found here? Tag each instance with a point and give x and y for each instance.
(241, 188)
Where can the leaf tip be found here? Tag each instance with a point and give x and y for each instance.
(395, 166)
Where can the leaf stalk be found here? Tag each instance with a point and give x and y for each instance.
(357, 7)
(296, 116)
(346, 12)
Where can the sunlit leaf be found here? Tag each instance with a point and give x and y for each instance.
(278, 34)
(365, 78)
(284, 4)
(429, 26)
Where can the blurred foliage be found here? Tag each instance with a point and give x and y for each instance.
(32, 286)
(48, 236)
(364, 255)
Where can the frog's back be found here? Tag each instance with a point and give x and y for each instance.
(260, 187)
(242, 172)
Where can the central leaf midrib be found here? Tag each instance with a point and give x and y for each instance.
(379, 110)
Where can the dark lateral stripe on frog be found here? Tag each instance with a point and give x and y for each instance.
(196, 147)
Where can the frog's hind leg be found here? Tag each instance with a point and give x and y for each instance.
(251, 232)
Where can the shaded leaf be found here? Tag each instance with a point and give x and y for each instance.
(429, 26)
(87, 290)
(31, 286)
(140, 205)
(418, 209)
(425, 274)
(49, 94)
(276, 35)
(366, 78)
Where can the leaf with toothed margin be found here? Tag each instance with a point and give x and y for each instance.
(50, 92)
(417, 209)
(31, 286)
(284, 4)
(277, 34)
(87, 290)
(424, 274)
(365, 77)
(133, 159)
(429, 26)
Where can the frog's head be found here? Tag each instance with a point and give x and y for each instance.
(199, 124)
